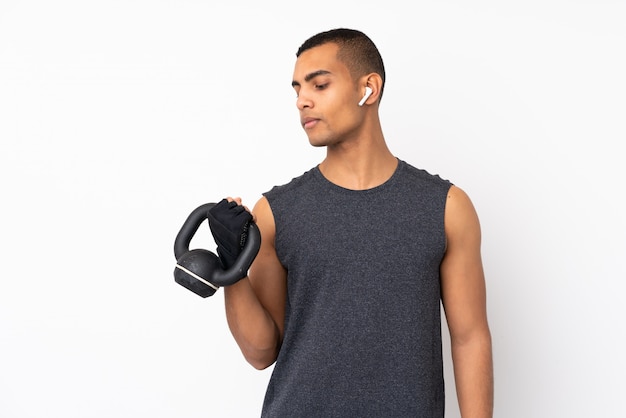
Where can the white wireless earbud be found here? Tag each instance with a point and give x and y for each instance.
(368, 93)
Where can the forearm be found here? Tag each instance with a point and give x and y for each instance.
(473, 372)
(252, 326)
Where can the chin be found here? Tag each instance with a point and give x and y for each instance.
(320, 142)
(317, 144)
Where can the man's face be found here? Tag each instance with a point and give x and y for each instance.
(327, 97)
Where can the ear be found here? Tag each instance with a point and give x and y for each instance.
(370, 87)
(368, 93)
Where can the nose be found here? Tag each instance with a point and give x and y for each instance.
(303, 101)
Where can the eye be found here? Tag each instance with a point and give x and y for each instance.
(321, 86)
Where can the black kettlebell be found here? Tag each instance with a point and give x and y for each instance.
(200, 270)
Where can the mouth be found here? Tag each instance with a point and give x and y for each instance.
(308, 123)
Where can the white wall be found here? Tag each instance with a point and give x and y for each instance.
(117, 118)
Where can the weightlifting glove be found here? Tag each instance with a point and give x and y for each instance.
(229, 226)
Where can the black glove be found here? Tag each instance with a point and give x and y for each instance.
(229, 225)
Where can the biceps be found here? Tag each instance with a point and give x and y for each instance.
(462, 276)
(269, 282)
(267, 275)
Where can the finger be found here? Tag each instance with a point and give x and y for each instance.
(234, 199)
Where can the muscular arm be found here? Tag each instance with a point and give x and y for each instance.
(464, 301)
(255, 306)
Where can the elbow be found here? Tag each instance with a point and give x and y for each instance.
(261, 359)
(260, 354)
(479, 339)
(259, 349)
(260, 365)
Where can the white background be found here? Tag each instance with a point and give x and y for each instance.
(117, 118)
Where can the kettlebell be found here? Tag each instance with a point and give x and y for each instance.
(200, 270)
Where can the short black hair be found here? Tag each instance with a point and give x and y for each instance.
(356, 50)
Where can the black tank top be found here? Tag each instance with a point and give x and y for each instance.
(363, 325)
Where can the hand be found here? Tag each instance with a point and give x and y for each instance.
(229, 222)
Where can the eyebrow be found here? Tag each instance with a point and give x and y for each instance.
(310, 76)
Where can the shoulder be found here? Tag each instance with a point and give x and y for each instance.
(422, 175)
(294, 184)
(461, 219)
(284, 196)
(459, 202)
(263, 217)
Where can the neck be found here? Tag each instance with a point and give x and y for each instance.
(359, 165)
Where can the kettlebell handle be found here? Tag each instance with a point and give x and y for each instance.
(218, 277)
(189, 228)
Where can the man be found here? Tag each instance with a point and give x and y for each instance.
(356, 256)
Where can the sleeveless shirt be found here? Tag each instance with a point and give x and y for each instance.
(363, 321)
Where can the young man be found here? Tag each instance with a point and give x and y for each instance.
(356, 256)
